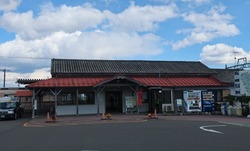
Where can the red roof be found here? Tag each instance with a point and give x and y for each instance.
(68, 82)
(23, 93)
(146, 81)
(178, 81)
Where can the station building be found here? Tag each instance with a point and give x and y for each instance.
(123, 86)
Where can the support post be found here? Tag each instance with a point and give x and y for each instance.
(56, 102)
(77, 102)
(173, 102)
(33, 103)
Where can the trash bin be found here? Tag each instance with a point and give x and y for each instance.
(239, 111)
(234, 110)
(229, 110)
(222, 109)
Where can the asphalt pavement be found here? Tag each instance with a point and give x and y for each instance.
(123, 132)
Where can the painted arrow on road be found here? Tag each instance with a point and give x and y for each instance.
(205, 128)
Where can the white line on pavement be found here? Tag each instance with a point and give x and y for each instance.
(204, 128)
(237, 124)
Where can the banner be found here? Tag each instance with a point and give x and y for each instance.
(139, 97)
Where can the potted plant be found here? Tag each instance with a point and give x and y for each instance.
(108, 116)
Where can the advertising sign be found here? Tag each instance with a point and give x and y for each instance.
(130, 101)
(242, 82)
(192, 100)
(207, 101)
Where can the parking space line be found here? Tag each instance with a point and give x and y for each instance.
(237, 124)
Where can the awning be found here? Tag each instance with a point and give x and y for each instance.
(144, 81)
(24, 93)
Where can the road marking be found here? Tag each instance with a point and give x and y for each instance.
(237, 124)
(204, 128)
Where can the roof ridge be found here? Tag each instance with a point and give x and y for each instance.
(123, 60)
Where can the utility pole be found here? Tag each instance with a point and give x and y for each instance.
(4, 76)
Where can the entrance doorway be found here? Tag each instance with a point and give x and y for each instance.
(113, 102)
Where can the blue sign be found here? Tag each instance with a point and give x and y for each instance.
(207, 102)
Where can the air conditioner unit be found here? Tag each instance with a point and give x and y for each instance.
(167, 107)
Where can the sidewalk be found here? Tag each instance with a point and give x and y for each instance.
(84, 119)
(125, 118)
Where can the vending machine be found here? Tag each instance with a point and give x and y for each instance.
(192, 101)
(207, 101)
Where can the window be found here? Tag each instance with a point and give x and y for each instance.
(65, 99)
(237, 85)
(70, 98)
(86, 98)
(7, 105)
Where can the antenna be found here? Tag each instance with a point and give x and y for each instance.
(235, 54)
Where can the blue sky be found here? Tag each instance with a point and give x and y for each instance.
(34, 31)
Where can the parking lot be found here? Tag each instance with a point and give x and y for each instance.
(127, 132)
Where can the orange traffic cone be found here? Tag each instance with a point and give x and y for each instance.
(103, 117)
(48, 118)
(155, 114)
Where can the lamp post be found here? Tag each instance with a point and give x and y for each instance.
(4, 76)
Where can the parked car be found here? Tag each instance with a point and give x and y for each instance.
(10, 109)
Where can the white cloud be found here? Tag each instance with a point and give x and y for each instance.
(78, 45)
(8, 5)
(72, 32)
(11, 77)
(198, 2)
(207, 26)
(141, 19)
(51, 19)
(83, 18)
(80, 32)
(222, 54)
(84, 45)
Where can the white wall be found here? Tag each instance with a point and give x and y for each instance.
(66, 110)
(93, 108)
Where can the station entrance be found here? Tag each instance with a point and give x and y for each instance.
(113, 102)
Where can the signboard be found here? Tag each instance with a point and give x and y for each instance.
(242, 82)
(130, 102)
(207, 101)
(192, 100)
